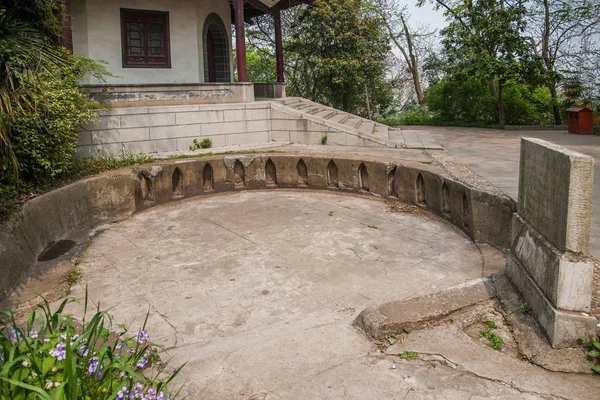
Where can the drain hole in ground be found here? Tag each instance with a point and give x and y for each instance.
(56, 249)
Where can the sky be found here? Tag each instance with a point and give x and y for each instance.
(426, 15)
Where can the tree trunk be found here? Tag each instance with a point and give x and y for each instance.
(500, 105)
(555, 109)
(493, 87)
(414, 64)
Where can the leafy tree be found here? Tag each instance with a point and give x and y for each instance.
(412, 43)
(29, 32)
(339, 53)
(260, 63)
(484, 40)
(566, 36)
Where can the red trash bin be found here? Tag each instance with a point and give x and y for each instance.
(580, 120)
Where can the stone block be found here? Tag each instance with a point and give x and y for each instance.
(144, 120)
(289, 124)
(354, 140)
(125, 111)
(306, 137)
(256, 114)
(565, 278)
(280, 136)
(175, 131)
(246, 138)
(223, 128)
(258, 125)
(142, 147)
(555, 193)
(234, 115)
(199, 117)
(104, 122)
(563, 328)
(337, 138)
(175, 109)
(119, 135)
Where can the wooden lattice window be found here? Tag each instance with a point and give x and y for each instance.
(145, 38)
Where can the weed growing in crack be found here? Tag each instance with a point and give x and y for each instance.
(408, 355)
(373, 226)
(496, 342)
(324, 139)
(593, 347)
(490, 324)
(526, 308)
(73, 275)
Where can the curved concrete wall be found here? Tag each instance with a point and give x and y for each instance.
(81, 206)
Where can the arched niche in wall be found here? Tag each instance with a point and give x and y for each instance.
(332, 174)
(208, 180)
(302, 173)
(363, 177)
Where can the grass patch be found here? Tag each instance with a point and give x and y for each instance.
(496, 342)
(426, 162)
(373, 226)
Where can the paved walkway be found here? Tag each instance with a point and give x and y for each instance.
(494, 154)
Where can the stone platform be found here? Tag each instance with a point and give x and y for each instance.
(257, 290)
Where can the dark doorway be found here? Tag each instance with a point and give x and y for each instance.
(216, 50)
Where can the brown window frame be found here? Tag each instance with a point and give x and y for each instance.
(145, 16)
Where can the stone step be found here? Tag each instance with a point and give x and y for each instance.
(301, 106)
(326, 114)
(353, 122)
(366, 126)
(312, 108)
(339, 117)
(316, 110)
(381, 131)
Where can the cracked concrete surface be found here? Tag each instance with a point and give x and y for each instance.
(257, 292)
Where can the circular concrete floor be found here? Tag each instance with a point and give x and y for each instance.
(257, 290)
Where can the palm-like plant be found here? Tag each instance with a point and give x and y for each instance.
(29, 32)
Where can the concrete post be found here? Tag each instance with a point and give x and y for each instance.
(548, 260)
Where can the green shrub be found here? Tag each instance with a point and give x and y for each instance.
(61, 357)
(324, 139)
(204, 144)
(45, 141)
(417, 115)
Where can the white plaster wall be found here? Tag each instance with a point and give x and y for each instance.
(101, 20)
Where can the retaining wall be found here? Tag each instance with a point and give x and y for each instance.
(87, 203)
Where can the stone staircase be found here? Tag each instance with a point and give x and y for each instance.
(386, 135)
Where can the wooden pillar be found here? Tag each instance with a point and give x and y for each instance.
(278, 46)
(240, 40)
(66, 38)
